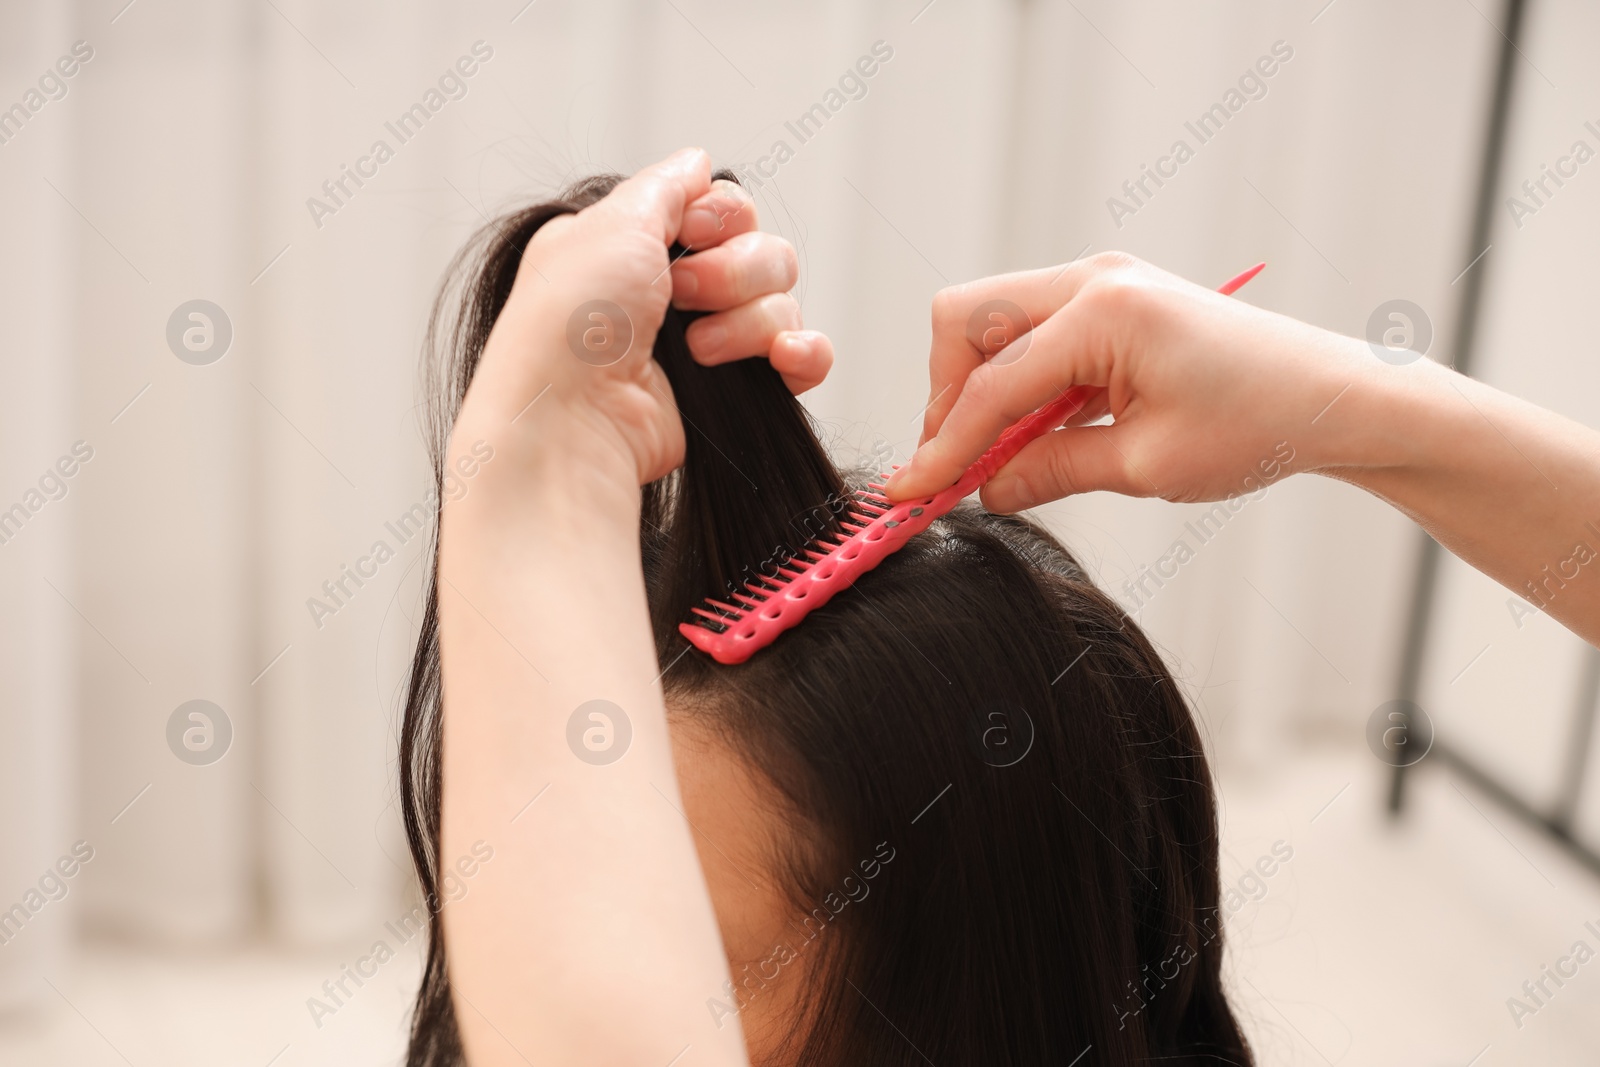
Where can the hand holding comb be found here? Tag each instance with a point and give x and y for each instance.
(871, 529)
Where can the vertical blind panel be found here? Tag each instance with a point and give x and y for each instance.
(165, 542)
(38, 629)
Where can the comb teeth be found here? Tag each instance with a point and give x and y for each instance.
(870, 529)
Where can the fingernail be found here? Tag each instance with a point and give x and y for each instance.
(729, 197)
(898, 477)
(1013, 491)
(702, 217)
(800, 342)
(685, 284)
(707, 340)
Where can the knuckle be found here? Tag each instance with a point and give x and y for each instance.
(947, 305)
(1111, 261)
(1059, 476)
(777, 258)
(789, 263)
(736, 277)
(982, 388)
(1118, 295)
(783, 310)
(1062, 474)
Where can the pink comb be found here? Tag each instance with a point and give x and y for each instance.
(874, 528)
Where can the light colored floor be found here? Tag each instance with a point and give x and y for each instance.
(1372, 944)
(122, 1007)
(1400, 944)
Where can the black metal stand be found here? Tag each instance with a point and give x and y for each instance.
(1558, 822)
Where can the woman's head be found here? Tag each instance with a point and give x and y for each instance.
(961, 814)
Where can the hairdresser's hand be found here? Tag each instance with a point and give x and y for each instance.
(1211, 396)
(567, 375)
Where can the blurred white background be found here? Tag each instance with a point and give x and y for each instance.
(175, 564)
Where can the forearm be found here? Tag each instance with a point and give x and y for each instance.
(590, 939)
(1510, 488)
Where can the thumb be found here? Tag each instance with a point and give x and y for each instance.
(1079, 459)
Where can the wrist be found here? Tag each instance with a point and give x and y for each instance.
(1391, 421)
(556, 475)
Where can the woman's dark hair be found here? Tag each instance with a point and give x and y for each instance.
(974, 709)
